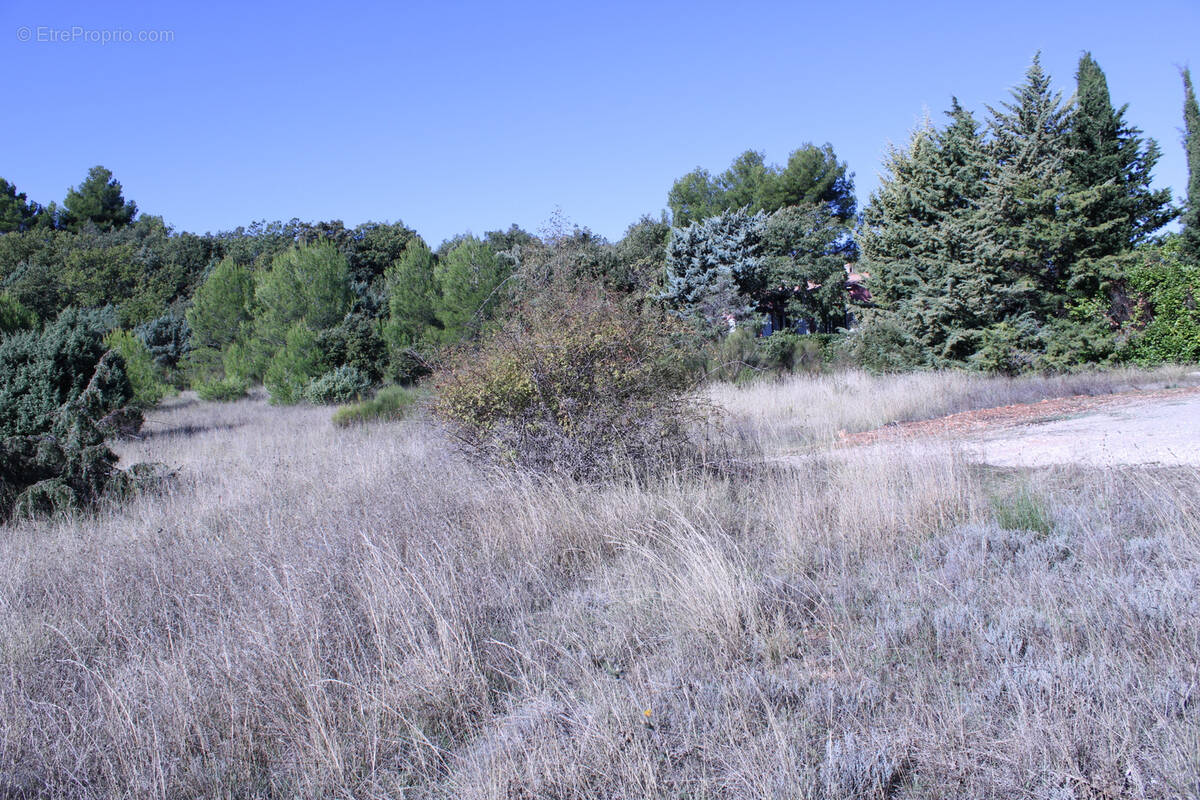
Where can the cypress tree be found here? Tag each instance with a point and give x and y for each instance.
(715, 267)
(1191, 144)
(1029, 230)
(1110, 166)
(918, 239)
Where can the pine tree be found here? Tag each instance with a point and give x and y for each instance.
(17, 213)
(412, 293)
(97, 200)
(468, 278)
(1191, 144)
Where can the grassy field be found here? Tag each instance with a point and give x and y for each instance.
(363, 613)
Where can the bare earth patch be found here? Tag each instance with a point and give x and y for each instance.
(1136, 428)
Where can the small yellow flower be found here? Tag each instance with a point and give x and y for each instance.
(646, 713)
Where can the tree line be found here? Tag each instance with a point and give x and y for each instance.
(1030, 240)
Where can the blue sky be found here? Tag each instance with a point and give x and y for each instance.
(470, 116)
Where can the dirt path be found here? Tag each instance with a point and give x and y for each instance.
(1160, 427)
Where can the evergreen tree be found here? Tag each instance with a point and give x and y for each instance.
(468, 279)
(1191, 143)
(715, 267)
(310, 284)
(412, 295)
(805, 250)
(812, 175)
(97, 200)
(222, 308)
(1029, 226)
(641, 254)
(1110, 166)
(918, 238)
(694, 197)
(16, 212)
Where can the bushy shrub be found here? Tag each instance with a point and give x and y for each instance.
(355, 342)
(390, 404)
(168, 338)
(409, 365)
(1167, 316)
(881, 346)
(223, 390)
(577, 382)
(779, 350)
(342, 385)
(14, 316)
(734, 356)
(61, 392)
(293, 366)
(139, 368)
(1008, 348)
(42, 372)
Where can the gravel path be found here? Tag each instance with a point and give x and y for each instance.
(1154, 430)
(1145, 428)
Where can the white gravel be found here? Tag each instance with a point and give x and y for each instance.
(1157, 431)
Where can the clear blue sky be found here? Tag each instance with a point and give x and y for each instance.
(465, 116)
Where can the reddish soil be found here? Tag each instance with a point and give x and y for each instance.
(973, 423)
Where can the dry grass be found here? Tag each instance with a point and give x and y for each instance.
(317, 612)
(806, 410)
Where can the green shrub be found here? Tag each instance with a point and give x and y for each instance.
(779, 350)
(14, 316)
(390, 404)
(577, 382)
(735, 356)
(139, 368)
(1167, 315)
(1009, 348)
(223, 390)
(42, 372)
(168, 338)
(293, 366)
(355, 342)
(61, 393)
(882, 345)
(409, 365)
(341, 385)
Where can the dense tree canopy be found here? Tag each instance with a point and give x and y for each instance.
(812, 175)
(1029, 239)
(1011, 251)
(17, 213)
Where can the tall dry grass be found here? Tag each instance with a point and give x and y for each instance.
(315, 612)
(807, 410)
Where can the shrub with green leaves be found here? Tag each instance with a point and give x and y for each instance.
(223, 390)
(42, 372)
(355, 342)
(882, 346)
(61, 392)
(390, 404)
(139, 368)
(342, 385)
(577, 382)
(168, 338)
(1167, 316)
(14, 316)
(293, 366)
